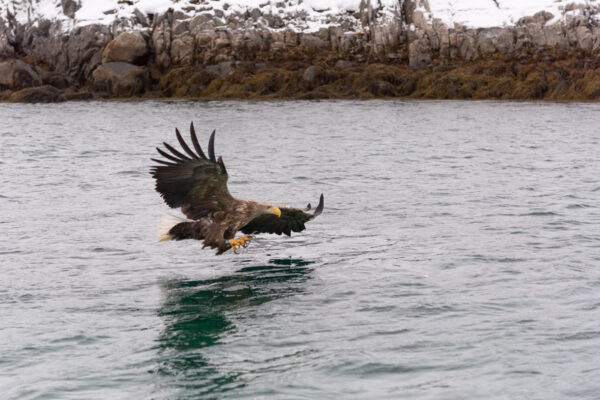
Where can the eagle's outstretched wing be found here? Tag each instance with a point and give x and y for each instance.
(291, 220)
(194, 182)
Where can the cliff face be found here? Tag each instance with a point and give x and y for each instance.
(198, 48)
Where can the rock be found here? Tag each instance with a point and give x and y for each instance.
(526, 21)
(57, 79)
(70, 7)
(486, 39)
(382, 88)
(120, 79)
(596, 35)
(129, 47)
(67, 53)
(141, 18)
(7, 40)
(537, 34)
(306, 61)
(223, 69)
(343, 64)
(200, 23)
(419, 53)
(505, 40)
(466, 45)
(255, 14)
(5, 94)
(444, 35)
(161, 42)
(310, 74)
(314, 76)
(418, 19)
(16, 75)
(222, 42)
(542, 17)
(291, 38)
(555, 36)
(93, 63)
(185, 81)
(274, 21)
(180, 28)
(313, 42)
(182, 51)
(251, 41)
(71, 54)
(40, 94)
(585, 40)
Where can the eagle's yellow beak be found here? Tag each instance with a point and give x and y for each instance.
(275, 210)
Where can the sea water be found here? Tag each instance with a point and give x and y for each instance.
(458, 255)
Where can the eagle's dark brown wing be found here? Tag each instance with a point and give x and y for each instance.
(192, 181)
(291, 220)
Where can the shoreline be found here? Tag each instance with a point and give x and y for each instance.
(373, 53)
(531, 76)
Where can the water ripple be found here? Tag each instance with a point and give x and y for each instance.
(456, 258)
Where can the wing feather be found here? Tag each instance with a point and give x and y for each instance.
(166, 155)
(184, 145)
(162, 161)
(198, 185)
(211, 147)
(195, 142)
(175, 152)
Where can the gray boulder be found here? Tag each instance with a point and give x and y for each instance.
(182, 50)
(310, 74)
(16, 75)
(223, 69)
(311, 41)
(382, 89)
(120, 79)
(343, 64)
(161, 43)
(419, 52)
(40, 94)
(314, 76)
(70, 7)
(7, 40)
(129, 47)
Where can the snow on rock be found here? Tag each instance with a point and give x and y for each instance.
(301, 15)
(490, 13)
(313, 13)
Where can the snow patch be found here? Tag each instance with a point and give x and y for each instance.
(489, 13)
(316, 13)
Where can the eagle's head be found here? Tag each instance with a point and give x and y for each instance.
(265, 209)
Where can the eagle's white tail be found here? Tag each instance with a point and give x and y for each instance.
(167, 222)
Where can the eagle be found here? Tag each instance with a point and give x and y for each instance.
(198, 185)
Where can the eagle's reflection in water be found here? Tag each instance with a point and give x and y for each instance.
(195, 314)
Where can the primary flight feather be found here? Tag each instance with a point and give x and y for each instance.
(198, 185)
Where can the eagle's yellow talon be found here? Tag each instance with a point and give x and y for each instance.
(243, 241)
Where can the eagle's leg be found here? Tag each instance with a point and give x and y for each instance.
(243, 241)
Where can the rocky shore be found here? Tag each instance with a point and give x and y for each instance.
(375, 51)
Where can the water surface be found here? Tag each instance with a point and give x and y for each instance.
(458, 255)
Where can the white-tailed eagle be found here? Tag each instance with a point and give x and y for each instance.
(198, 185)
